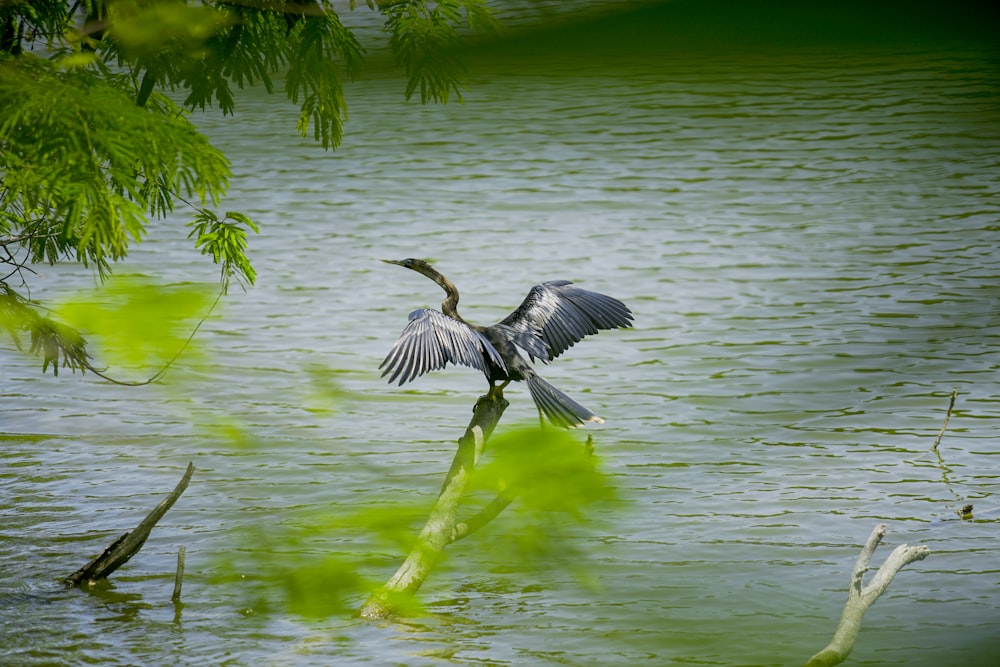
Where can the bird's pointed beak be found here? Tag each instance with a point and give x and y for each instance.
(391, 261)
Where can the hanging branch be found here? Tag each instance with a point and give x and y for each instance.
(442, 527)
(860, 597)
(126, 546)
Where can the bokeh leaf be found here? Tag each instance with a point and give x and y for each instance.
(138, 323)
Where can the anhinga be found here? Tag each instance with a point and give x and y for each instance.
(553, 317)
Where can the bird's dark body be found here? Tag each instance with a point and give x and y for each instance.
(554, 316)
(516, 366)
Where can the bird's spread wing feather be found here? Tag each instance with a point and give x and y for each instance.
(430, 340)
(555, 315)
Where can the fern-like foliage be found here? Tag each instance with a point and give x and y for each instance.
(53, 341)
(92, 150)
(425, 38)
(205, 49)
(226, 242)
(84, 167)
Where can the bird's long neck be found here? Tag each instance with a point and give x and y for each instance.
(450, 304)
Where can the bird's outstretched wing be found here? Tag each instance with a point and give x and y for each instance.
(430, 340)
(555, 315)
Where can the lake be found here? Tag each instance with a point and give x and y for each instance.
(807, 237)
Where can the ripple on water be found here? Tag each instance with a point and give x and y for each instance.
(809, 246)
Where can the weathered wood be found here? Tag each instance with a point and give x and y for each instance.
(860, 597)
(126, 546)
(179, 577)
(440, 529)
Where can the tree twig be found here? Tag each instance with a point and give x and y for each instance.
(947, 418)
(126, 546)
(481, 518)
(966, 510)
(860, 597)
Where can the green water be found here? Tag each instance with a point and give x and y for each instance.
(806, 230)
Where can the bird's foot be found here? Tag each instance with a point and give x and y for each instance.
(496, 390)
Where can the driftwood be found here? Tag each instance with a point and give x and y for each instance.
(126, 546)
(442, 527)
(860, 597)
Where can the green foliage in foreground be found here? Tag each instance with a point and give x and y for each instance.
(138, 323)
(324, 562)
(92, 149)
(558, 488)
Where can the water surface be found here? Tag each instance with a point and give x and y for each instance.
(807, 239)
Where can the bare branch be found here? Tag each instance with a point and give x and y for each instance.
(126, 546)
(481, 518)
(947, 418)
(860, 597)
(441, 528)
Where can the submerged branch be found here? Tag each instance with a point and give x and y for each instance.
(860, 597)
(179, 576)
(947, 418)
(966, 509)
(126, 546)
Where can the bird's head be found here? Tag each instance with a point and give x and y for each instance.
(423, 267)
(418, 265)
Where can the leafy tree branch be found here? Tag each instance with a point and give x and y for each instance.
(226, 242)
(92, 149)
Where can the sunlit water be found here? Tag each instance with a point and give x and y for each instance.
(808, 244)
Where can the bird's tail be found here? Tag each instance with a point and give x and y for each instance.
(559, 408)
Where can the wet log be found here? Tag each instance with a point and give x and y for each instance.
(860, 597)
(121, 550)
(442, 528)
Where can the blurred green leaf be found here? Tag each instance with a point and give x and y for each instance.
(318, 562)
(323, 392)
(548, 470)
(143, 27)
(78, 59)
(557, 488)
(138, 323)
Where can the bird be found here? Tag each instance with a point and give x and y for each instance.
(552, 318)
